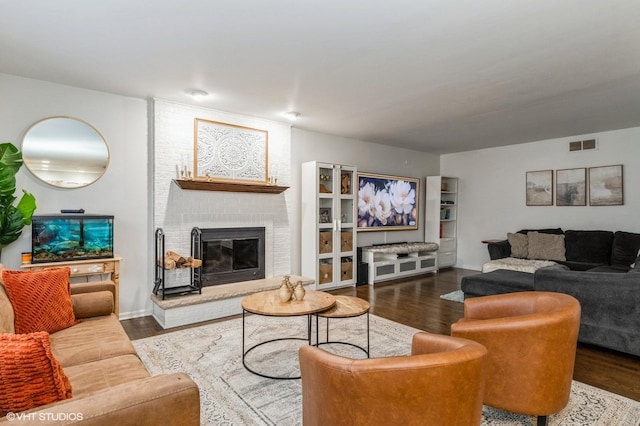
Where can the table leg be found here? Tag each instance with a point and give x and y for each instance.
(243, 313)
(368, 349)
(327, 329)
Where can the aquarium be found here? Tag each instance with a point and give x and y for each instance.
(64, 237)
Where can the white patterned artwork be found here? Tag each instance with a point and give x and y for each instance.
(229, 152)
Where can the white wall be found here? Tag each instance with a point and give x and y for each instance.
(367, 157)
(122, 191)
(491, 195)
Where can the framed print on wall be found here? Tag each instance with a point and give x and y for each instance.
(606, 186)
(227, 152)
(571, 187)
(387, 203)
(539, 189)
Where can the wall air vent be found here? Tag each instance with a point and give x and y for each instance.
(575, 146)
(584, 145)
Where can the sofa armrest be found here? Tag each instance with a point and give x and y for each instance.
(97, 304)
(499, 250)
(92, 287)
(163, 399)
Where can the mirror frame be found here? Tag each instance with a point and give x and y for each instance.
(35, 173)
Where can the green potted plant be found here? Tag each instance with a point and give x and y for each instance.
(12, 217)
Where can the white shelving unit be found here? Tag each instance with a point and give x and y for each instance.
(329, 224)
(442, 217)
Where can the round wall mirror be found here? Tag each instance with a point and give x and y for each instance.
(65, 152)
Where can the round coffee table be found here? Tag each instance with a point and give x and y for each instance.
(268, 303)
(345, 307)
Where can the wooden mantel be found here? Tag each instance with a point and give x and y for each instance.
(204, 185)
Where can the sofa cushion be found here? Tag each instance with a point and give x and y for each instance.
(581, 266)
(546, 246)
(588, 246)
(519, 245)
(41, 299)
(99, 375)
(610, 268)
(91, 340)
(625, 248)
(30, 376)
(553, 231)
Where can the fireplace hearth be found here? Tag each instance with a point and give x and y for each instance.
(229, 254)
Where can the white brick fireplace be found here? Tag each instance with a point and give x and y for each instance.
(177, 211)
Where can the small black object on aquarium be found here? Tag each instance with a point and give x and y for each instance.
(63, 237)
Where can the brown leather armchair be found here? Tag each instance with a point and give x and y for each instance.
(441, 383)
(531, 338)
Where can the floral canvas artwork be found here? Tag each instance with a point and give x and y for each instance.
(387, 202)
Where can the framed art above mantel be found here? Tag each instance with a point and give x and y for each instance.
(228, 152)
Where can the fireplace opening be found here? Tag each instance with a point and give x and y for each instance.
(229, 254)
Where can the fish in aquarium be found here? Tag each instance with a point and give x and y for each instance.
(71, 237)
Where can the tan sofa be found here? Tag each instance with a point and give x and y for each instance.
(110, 384)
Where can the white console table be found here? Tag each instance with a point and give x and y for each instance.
(391, 261)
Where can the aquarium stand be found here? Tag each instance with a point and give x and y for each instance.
(159, 282)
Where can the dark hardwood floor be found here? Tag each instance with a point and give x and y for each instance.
(416, 302)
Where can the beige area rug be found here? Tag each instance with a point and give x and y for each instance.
(231, 395)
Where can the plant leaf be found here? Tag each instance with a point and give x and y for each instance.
(26, 206)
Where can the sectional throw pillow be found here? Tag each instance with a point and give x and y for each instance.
(30, 376)
(546, 246)
(41, 299)
(519, 245)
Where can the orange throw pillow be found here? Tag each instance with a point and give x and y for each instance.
(30, 376)
(41, 299)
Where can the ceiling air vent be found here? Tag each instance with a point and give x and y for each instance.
(583, 145)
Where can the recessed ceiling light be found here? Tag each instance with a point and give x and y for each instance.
(292, 115)
(197, 94)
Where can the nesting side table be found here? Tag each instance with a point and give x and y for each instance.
(345, 307)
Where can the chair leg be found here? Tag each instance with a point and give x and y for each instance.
(542, 420)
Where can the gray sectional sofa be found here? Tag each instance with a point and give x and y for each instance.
(600, 268)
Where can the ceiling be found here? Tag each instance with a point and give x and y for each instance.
(432, 75)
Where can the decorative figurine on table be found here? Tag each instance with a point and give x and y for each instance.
(284, 293)
(299, 291)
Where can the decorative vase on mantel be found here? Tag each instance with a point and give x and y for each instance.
(299, 292)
